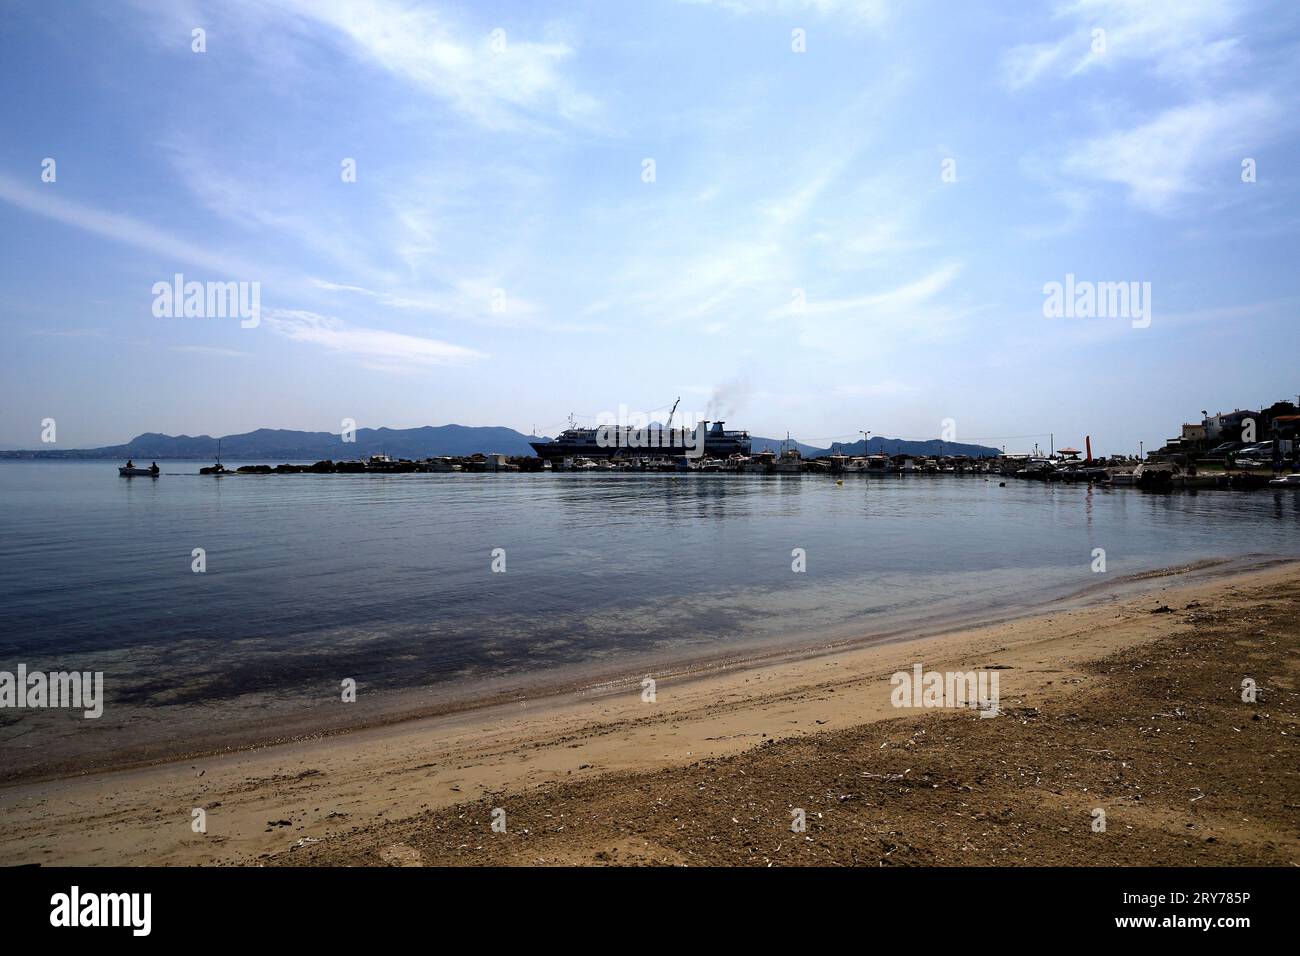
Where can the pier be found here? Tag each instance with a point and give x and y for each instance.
(1152, 474)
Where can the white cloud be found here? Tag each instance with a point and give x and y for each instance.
(892, 302)
(1179, 39)
(1164, 161)
(914, 312)
(467, 299)
(866, 11)
(1024, 64)
(421, 45)
(44, 200)
(262, 198)
(372, 345)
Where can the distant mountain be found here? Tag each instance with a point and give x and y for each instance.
(278, 444)
(776, 444)
(883, 446)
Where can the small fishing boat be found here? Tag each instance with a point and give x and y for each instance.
(129, 470)
(1286, 481)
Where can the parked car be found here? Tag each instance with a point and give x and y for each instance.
(1220, 451)
(1263, 449)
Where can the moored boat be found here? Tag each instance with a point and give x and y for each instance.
(218, 468)
(790, 462)
(761, 463)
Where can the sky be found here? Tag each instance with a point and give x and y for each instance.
(804, 216)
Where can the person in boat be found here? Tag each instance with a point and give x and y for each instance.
(154, 467)
(130, 463)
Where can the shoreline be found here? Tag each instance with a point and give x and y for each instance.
(264, 800)
(376, 709)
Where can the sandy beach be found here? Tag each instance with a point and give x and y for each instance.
(1106, 704)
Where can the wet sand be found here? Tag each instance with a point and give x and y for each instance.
(169, 701)
(1104, 705)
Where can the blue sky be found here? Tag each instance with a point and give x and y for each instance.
(797, 263)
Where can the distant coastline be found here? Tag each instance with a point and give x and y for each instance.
(286, 445)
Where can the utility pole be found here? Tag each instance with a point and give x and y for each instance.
(865, 436)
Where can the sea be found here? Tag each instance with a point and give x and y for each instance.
(248, 597)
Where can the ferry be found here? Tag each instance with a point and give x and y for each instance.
(627, 442)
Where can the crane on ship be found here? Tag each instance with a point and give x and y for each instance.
(669, 426)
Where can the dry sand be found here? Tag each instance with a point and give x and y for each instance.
(1105, 705)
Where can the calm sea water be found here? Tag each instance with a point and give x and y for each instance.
(389, 579)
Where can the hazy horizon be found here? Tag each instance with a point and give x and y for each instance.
(63, 446)
(813, 217)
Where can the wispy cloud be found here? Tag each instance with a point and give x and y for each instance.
(373, 345)
(501, 81)
(1170, 158)
(915, 312)
(1177, 39)
(1023, 65)
(474, 300)
(300, 326)
(44, 200)
(865, 11)
(261, 199)
(891, 302)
